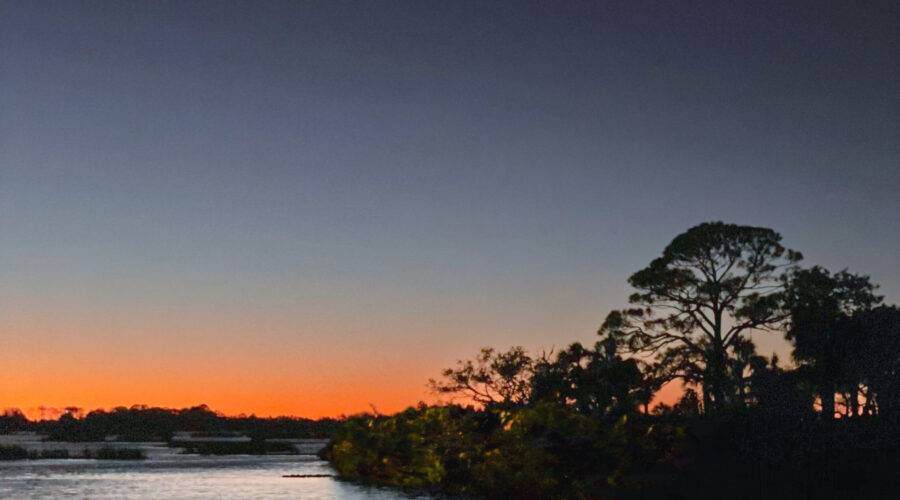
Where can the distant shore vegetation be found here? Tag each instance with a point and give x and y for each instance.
(198, 430)
(143, 423)
(16, 452)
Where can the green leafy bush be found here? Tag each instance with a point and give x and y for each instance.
(547, 451)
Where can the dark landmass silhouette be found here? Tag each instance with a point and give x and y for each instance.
(577, 423)
(142, 423)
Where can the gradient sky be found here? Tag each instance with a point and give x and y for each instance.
(306, 207)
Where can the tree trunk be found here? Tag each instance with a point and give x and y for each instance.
(827, 395)
(707, 400)
(718, 365)
(718, 376)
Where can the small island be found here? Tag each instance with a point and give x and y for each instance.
(577, 423)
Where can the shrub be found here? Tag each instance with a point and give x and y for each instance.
(110, 453)
(254, 447)
(60, 453)
(542, 452)
(13, 453)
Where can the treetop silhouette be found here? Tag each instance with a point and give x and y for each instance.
(712, 284)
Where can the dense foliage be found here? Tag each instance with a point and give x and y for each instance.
(579, 424)
(546, 451)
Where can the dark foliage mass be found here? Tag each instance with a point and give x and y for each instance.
(578, 423)
(13, 453)
(105, 453)
(141, 423)
(544, 451)
(252, 447)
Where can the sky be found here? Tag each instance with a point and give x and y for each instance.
(308, 208)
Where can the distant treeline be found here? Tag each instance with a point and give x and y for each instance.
(141, 423)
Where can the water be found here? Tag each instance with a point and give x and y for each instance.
(168, 474)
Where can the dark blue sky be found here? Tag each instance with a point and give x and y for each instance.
(433, 176)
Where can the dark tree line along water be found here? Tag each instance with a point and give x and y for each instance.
(141, 423)
(577, 423)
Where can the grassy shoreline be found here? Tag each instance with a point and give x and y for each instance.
(16, 452)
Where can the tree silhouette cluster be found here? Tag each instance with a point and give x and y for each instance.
(691, 319)
(824, 423)
(143, 423)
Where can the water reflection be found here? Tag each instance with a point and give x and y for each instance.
(167, 474)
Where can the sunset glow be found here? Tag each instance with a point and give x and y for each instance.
(305, 210)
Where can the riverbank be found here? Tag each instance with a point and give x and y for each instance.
(169, 474)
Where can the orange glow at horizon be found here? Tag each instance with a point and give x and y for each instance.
(362, 399)
(278, 374)
(265, 393)
(90, 358)
(231, 396)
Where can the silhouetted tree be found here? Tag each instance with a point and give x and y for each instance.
(695, 303)
(12, 420)
(779, 391)
(593, 381)
(875, 362)
(688, 404)
(492, 378)
(822, 329)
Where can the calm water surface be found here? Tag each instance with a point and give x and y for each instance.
(168, 474)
